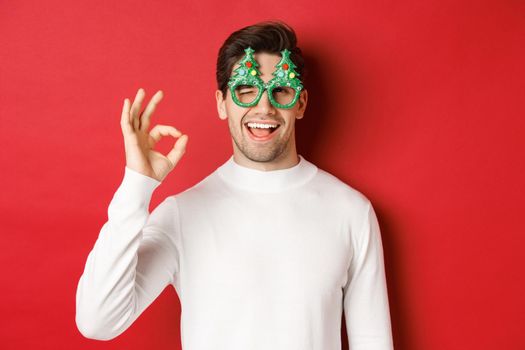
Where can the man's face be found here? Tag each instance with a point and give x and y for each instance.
(262, 144)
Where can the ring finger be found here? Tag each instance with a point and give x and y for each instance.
(135, 108)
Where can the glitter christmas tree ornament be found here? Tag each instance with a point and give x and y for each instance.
(247, 87)
(284, 89)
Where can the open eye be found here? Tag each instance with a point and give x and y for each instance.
(283, 94)
(280, 90)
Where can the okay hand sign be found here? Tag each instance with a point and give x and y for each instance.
(139, 143)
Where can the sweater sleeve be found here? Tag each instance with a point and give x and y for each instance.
(365, 300)
(133, 259)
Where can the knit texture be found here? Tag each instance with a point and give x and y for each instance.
(259, 260)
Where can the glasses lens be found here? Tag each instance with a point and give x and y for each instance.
(283, 95)
(246, 93)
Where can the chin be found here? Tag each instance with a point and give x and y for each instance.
(263, 154)
(261, 158)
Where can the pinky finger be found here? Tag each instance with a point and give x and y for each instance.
(124, 119)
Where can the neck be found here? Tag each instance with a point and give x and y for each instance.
(254, 180)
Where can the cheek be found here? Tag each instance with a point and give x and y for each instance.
(235, 118)
(230, 106)
(289, 118)
(235, 113)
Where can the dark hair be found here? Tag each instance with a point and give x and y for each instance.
(270, 37)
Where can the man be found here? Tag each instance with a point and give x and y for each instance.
(267, 252)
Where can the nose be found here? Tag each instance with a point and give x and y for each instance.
(264, 106)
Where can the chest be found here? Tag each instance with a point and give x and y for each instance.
(266, 248)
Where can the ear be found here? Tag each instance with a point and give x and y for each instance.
(301, 102)
(221, 104)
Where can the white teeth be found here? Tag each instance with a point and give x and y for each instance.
(261, 126)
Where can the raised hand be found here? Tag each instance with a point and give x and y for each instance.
(139, 143)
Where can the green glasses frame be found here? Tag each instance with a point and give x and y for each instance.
(248, 74)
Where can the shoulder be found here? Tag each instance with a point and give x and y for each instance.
(354, 207)
(340, 192)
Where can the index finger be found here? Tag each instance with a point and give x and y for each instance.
(159, 131)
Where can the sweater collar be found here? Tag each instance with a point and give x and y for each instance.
(262, 181)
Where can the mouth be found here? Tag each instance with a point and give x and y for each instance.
(261, 131)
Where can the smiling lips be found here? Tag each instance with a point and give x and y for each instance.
(261, 131)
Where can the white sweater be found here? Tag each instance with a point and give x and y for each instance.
(263, 260)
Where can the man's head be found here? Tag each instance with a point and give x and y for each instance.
(268, 40)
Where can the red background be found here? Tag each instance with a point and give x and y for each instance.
(418, 104)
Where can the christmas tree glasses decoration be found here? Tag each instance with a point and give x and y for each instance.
(247, 87)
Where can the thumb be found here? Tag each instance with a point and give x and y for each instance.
(178, 150)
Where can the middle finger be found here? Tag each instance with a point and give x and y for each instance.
(150, 108)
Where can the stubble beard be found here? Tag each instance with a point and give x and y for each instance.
(266, 152)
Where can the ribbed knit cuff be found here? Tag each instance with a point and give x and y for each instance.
(136, 188)
(138, 178)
